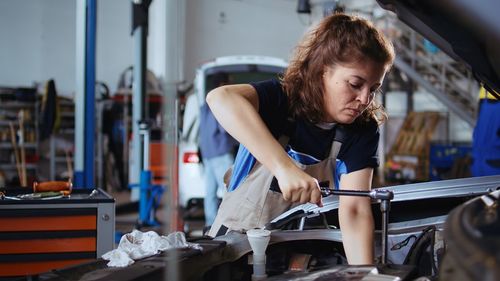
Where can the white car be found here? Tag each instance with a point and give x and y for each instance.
(241, 69)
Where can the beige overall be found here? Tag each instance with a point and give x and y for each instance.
(252, 204)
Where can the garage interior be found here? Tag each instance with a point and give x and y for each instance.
(98, 139)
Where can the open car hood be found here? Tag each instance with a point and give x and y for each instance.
(466, 30)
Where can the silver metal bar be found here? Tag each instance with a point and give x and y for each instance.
(385, 207)
(445, 188)
(302, 222)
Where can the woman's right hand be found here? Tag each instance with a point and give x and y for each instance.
(298, 186)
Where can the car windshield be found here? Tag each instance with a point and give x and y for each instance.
(242, 73)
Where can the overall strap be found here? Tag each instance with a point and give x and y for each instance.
(338, 139)
(288, 132)
(334, 150)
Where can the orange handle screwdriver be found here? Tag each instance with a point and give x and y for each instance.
(52, 186)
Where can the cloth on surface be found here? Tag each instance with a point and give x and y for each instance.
(137, 245)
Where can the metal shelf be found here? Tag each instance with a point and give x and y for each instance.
(66, 131)
(13, 166)
(17, 104)
(8, 145)
(67, 114)
(60, 160)
(15, 123)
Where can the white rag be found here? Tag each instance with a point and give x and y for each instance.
(137, 245)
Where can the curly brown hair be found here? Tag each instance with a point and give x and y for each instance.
(338, 38)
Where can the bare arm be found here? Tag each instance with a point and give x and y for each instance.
(356, 219)
(236, 109)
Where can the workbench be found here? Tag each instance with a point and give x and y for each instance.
(39, 235)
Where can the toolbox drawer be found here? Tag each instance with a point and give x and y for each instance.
(37, 236)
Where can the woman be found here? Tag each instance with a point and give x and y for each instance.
(328, 90)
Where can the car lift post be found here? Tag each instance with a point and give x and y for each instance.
(139, 96)
(86, 15)
(150, 194)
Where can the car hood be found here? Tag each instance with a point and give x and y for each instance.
(402, 193)
(466, 30)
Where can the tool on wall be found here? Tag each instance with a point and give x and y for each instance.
(16, 152)
(23, 179)
(17, 140)
(69, 164)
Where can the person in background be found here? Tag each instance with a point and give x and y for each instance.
(317, 125)
(217, 151)
(486, 137)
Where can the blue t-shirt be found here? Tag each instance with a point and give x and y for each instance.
(308, 142)
(214, 140)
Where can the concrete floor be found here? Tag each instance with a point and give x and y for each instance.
(127, 217)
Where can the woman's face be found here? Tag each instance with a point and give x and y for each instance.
(350, 88)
